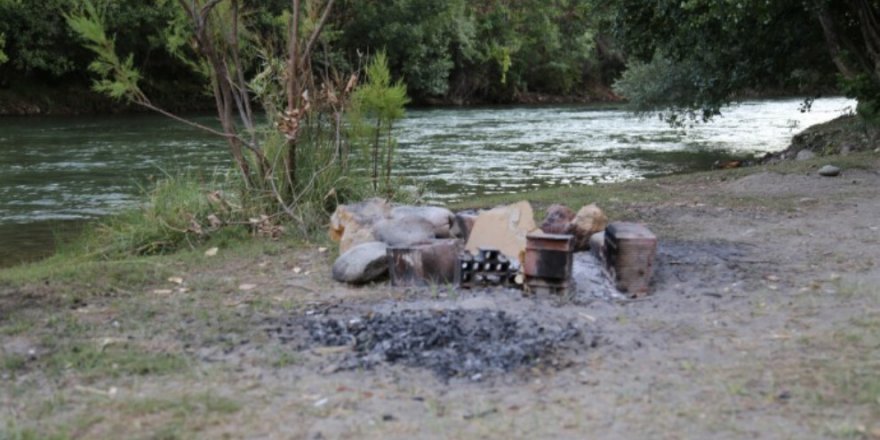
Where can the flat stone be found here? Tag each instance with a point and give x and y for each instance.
(829, 171)
(805, 155)
(362, 264)
(404, 231)
(503, 228)
(441, 218)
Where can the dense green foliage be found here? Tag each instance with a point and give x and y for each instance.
(487, 50)
(694, 56)
(39, 42)
(455, 50)
(690, 56)
(376, 105)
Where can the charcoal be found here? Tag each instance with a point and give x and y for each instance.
(452, 343)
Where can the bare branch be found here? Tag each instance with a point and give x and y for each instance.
(293, 56)
(318, 28)
(203, 14)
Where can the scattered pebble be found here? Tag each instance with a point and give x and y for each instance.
(246, 287)
(175, 280)
(829, 171)
(212, 252)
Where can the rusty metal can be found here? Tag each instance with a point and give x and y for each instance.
(630, 250)
(548, 262)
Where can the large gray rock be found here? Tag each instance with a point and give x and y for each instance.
(440, 218)
(362, 264)
(404, 231)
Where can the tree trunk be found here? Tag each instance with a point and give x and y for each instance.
(834, 40)
(389, 160)
(376, 154)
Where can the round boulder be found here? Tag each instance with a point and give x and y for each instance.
(362, 264)
(558, 220)
(588, 221)
(829, 171)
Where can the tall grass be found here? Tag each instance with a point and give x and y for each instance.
(177, 212)
(186, 211)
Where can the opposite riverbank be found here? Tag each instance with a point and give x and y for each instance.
(763, 323)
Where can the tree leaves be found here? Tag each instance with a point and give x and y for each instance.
(116, 77)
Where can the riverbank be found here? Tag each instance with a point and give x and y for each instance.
(841, 136)
(763, 324)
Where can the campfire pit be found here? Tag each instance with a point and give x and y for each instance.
(451, 343)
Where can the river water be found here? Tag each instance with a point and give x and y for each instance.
(56, 173)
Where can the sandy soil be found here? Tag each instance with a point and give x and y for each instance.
(764, 323)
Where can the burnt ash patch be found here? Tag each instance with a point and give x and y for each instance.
(703, 265)
(451, 343)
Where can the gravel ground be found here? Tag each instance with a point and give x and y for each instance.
(764, 322)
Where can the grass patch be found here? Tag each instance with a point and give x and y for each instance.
(201, 403)
(93, 362)
(614, 197)
(12, 432)
(13, 363)
(178, 212)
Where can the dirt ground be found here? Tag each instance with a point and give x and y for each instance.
(764, 323)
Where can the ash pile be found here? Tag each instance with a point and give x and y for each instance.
(468, 344)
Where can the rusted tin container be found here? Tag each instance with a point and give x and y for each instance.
(630, 249)
(424, 264)
(548, 262)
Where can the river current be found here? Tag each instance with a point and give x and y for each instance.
(55, 172)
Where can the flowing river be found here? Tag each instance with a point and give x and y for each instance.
(58, 173)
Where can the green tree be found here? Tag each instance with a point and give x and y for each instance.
(526, 46)
(419, 37)
(693, 57)
(377, 104)
(287, 167)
